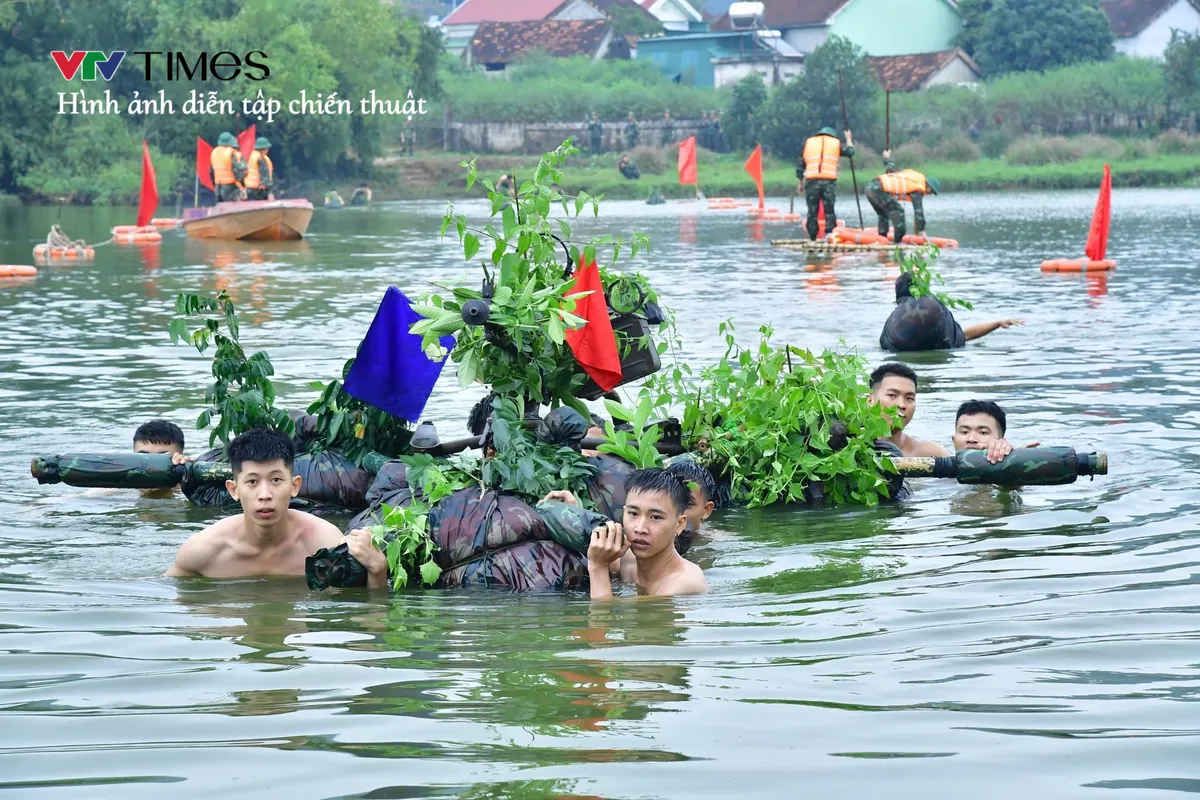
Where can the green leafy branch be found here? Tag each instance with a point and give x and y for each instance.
(241, 396)
(917, 263)
(354, 427)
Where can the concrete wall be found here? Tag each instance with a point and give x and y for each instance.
(536, 138)
(1153, 41)
(806, 39)
(897, 27)
(953, 74)
(729, 74)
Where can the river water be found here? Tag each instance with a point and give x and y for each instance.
(1038, 643)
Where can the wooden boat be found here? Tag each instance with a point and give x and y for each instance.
(257, 220)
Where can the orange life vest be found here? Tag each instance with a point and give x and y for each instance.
(904, 184)
(821, 154)
(253, 176)
(222, 165)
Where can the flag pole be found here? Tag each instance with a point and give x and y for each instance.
(853, 176)
(196, 194)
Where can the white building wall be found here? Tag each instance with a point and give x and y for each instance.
(1153, 41)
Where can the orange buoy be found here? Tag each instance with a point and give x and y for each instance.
(44, 251)
(139, 237)
(722, 200)
(854, 236)
(940, 241)
(166, 222)
(1078, 265)
(17, 271)
(793, 216)
(772, 216)
(128, 230)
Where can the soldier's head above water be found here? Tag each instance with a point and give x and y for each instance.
(656, 503)
(158, 436)
(977, 424)
(894, 386)
(702, 491)
(263, 482)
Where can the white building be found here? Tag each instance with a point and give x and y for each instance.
(1143, 27)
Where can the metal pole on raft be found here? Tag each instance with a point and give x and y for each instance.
(853, 176)
(196, 194)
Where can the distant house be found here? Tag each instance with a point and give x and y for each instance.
(675, 15)
(498, 44)
(458, 28)
(721, 58)
(922, 70)
(1143, 27)
(879, 27)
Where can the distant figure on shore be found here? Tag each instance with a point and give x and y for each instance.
(596, 132)
(228, 169)
(362, 195)
(655, 199)
(333, 199)
(628, 168)
(260, 172)
(631, 132)
(668, 129)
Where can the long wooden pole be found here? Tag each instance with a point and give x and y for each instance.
(853, 176)
(887, 136)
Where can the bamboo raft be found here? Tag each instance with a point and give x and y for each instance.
(808, 246)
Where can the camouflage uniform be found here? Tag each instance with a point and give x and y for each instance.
(629, 170)
(817, 191)
(668, 130)
(887, 207)
(596, 131)
(919, 323)
(631, 134)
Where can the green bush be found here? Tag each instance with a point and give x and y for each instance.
(957, 148)
(1176, 142)
(994, 143)
(911, 155)
(1139, 148)
(1033, 151)
(650, 160)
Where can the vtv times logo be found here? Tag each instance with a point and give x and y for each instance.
(223, 66)
(91, 61)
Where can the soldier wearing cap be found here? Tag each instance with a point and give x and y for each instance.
(260, 172)
(886, 192)
(228, 168)
(818, 173)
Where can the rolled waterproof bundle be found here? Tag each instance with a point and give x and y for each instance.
(1026, 466)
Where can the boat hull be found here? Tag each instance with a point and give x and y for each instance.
(250, 220)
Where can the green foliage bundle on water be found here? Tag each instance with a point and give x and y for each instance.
(521, 351)
(354, 427)
(917, 263)
(777, 420)
(241, 396)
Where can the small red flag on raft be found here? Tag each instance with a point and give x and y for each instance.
(687, 161)
(1097, 241)
(753, 166)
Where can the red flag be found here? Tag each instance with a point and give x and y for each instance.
(753, 165)
(148, 201)
(1097, 243)
(822, 224)
(595, 344)
(203, 163)
(246, 141)
(687, 162)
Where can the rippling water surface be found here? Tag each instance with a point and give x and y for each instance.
(1039, 643)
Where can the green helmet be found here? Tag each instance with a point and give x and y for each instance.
(827, 132)
(934, 184)
(261, 143)
(226, 140)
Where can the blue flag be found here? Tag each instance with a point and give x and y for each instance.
(391, 371)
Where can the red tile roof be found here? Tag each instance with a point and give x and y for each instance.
(909, 73)
(505, 42)
(475, 11)
(1131, 17)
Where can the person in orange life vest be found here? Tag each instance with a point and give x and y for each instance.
(228, 168)
(260, 172)
(817, 173)
(886, 192)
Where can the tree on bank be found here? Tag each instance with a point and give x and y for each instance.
(797, 109)
(1034, 35)
(350, 47)
(743, 118)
